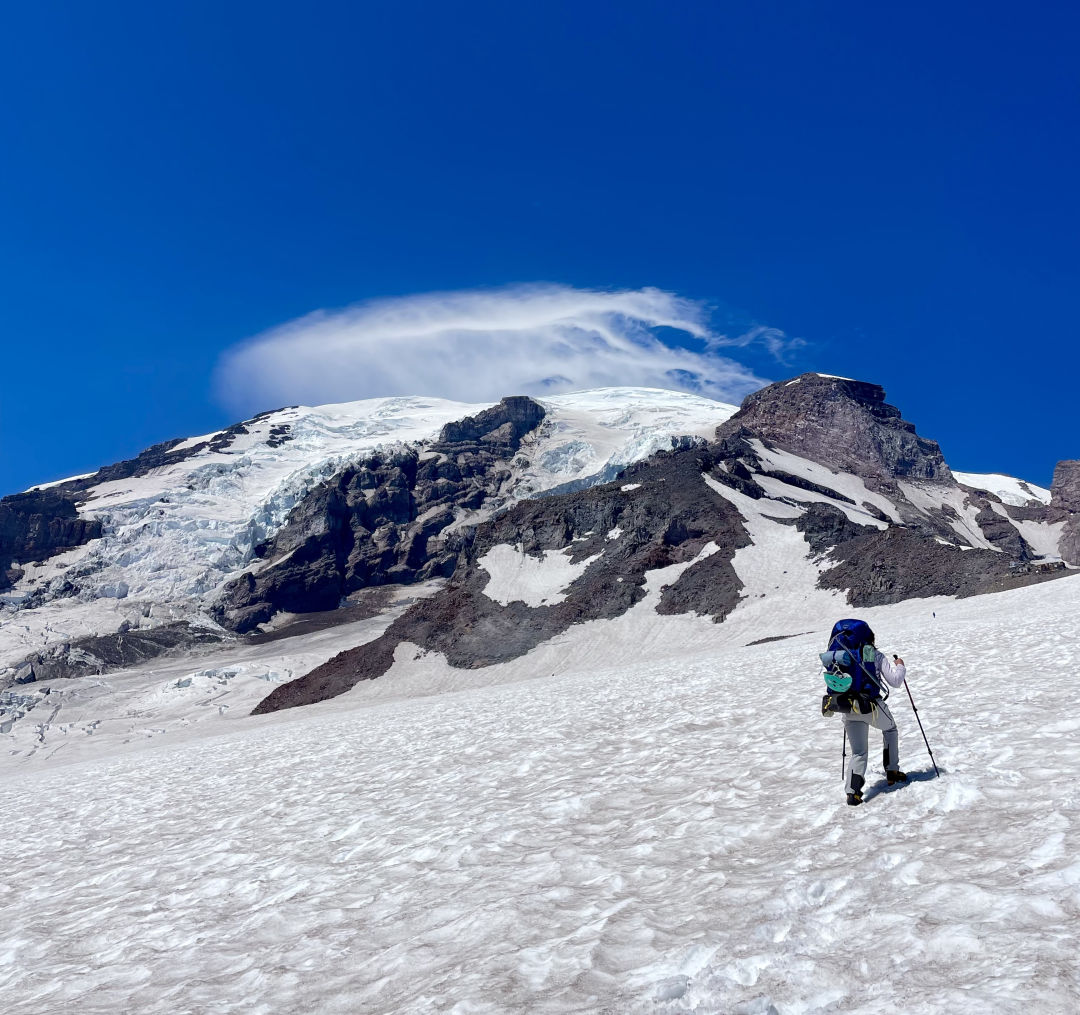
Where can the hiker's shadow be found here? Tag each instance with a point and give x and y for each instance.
(882, 785)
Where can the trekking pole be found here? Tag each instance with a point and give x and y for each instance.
(843, 754)
(921, 730)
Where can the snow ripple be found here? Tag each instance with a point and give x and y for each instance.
(650, 839)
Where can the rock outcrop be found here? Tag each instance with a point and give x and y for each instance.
(389, 519)
(37, 525)
(103, 653)
(1065, 507)
(659, 513)
(880, 567)
(844, 424)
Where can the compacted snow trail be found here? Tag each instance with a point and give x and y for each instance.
(664, 839)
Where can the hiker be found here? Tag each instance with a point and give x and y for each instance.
(855, 669)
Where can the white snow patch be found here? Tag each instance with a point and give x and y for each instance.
(517, 576)
(779, 579)
(58, 482)
(1043, 537)
(614, 533)
(1016, 492)
(775, 488)
(844, 483)
(628, 487)
(937, 496)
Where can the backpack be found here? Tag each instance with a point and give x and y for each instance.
(851, 675)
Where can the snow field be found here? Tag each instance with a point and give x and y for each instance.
(197, 694)
(535, 581)
(1009, 489)
(666, 837)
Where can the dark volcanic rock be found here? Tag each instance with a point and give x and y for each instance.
(1003, 535)
(825, 526)
(1065, 506)
(895, 564)
(506, 422)
(668, 519)
(844, 424)
(108, 652)
(37, 525)
(387, 520)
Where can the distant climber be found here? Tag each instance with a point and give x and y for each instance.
(854, 671)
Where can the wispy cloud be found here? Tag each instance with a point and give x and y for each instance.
(483, 344)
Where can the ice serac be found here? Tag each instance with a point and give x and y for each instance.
(1065, 507)
(841, 423)
(388, 519)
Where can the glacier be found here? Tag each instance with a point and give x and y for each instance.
(173, 538)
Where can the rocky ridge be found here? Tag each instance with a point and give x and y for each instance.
(389, 519)
(876, 503)
(300, 510)
(880, 512)
(652, 517)
(844, 424)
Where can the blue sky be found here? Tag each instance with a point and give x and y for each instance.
(893, 185)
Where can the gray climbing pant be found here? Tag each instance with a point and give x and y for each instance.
(858, 737)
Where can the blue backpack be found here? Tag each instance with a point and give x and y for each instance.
(850, 662)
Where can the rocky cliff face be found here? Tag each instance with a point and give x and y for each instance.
(654, 516)
(844, 424)
(848, 426)
(37, 525)
(1065, 507)
(388, 520)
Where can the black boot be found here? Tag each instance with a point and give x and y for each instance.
(854, 797)
(895, 777)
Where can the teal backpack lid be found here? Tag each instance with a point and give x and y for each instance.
(837, 681)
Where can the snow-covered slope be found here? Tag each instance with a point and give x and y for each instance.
(1017, 492)
(646, 818)
(174, 536)
(632, 809)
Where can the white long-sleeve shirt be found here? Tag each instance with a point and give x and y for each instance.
(894, 673)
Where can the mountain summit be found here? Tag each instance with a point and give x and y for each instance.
(844, 424)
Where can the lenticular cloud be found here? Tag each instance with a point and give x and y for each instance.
(482, 345)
